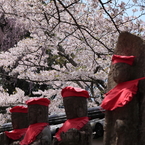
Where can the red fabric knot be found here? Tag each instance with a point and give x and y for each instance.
(76, 123)
(39, 101)
(74, 91)
(120, 95)
(124, 59)
(16, 133)
(20, 109)
(32, 132)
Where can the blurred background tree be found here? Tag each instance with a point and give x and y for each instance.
(47, 45)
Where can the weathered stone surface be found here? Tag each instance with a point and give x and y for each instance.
(125, 125)
(75, 107)
(19, 121)
(39, 114)
(4, 139)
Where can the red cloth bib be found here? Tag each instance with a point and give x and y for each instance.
(16, 133)
(76, 123)
(32, 132)
(120, 95)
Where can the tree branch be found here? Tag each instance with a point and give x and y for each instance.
(102, 4)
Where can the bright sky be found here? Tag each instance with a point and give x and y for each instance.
(130, 12)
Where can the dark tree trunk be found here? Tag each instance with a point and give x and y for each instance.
(125, 125)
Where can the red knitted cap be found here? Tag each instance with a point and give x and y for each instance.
(39, 101)
(20, 109)
(73, 91)
(124, 59)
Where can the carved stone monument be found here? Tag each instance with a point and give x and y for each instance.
(124, 101)
(38, 132)
(76, 130)
(19, 116)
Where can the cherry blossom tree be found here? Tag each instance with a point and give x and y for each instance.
(67, 42)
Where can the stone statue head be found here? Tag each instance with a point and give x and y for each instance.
(38, 110)
(122, 68)
(19, 116)
(75, 102)
(75, 107)
(37, 113)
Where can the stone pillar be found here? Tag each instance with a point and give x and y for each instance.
(19, 116)
(125, 125)
(38, 132)
(75, 104)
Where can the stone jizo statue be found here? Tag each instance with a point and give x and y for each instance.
(19, 116)
(38, 132)
(125, 97)
(76, 130)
